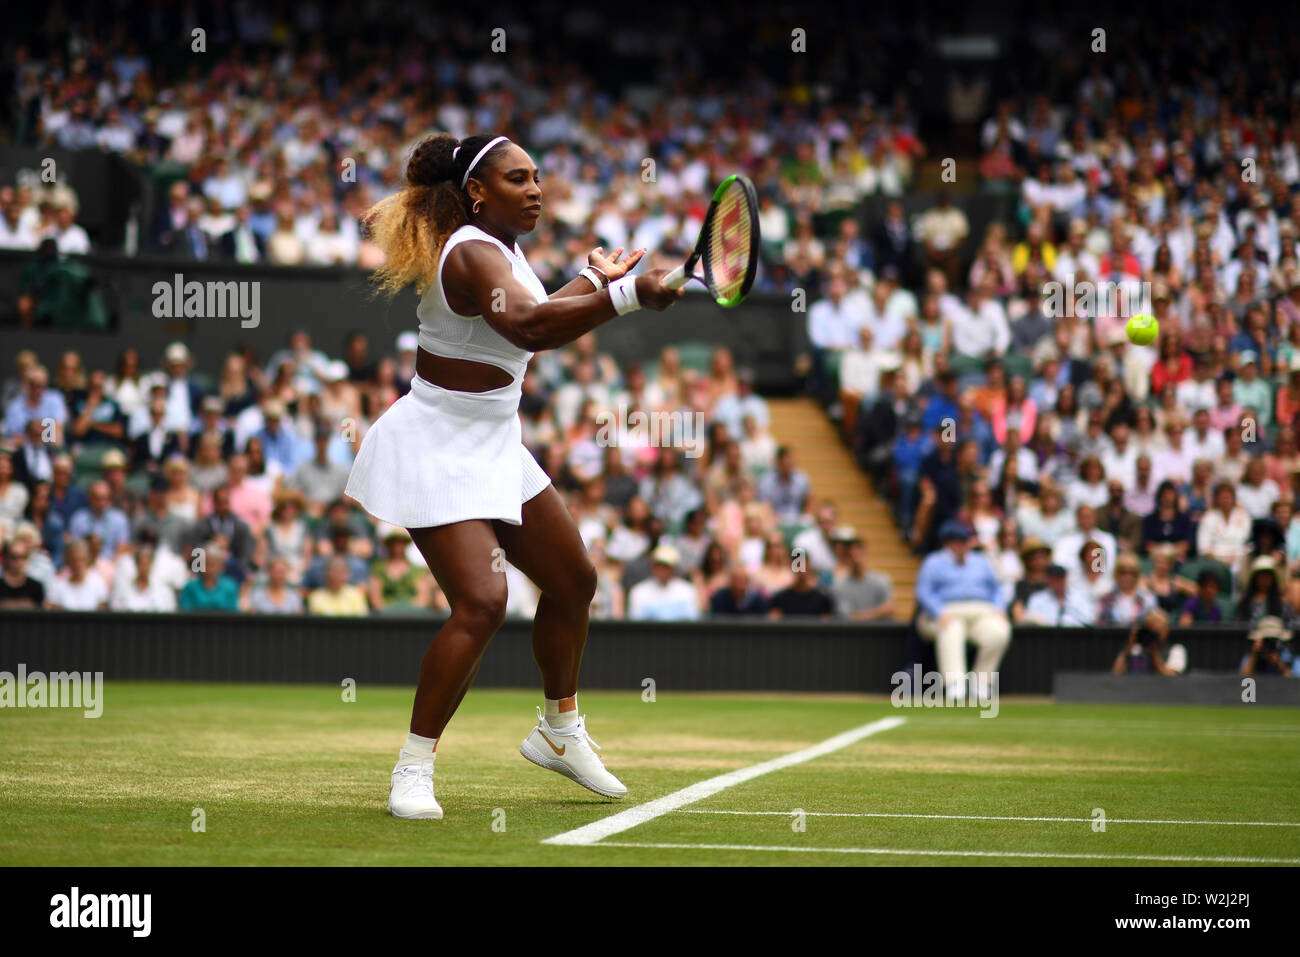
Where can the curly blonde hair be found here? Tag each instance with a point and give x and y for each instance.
(411, 226)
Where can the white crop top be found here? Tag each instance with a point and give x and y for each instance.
(449, 334)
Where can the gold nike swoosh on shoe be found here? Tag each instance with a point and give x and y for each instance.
(559, 750)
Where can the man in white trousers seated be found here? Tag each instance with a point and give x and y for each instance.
(959, 598)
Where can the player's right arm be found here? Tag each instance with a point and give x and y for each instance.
(478, 280)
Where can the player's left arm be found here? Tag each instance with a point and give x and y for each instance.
(611, 266)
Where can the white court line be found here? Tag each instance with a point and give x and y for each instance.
(903, 852)
(623, 820)
(991, 817)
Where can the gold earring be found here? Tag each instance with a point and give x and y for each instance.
(477, 204)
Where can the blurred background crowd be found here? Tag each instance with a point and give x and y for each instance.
(979, 370)
(268, 151)
(151, 490)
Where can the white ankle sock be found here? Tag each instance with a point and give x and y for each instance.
(418, 746)
(561, 719)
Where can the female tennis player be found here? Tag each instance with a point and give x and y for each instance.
(447, 460)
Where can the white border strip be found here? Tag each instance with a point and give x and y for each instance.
(902, 852)
(633, 816)
(984, 817)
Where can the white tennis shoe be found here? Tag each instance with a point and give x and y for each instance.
(410, 795)
(568, 751)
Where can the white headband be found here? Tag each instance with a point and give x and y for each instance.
(469, 169)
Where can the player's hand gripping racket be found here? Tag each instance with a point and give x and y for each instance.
(727, 248)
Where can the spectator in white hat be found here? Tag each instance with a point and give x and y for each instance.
(663, 596)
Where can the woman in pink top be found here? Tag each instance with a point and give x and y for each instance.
(1015, 407)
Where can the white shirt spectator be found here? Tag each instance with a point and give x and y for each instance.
(1258, 500)
(860, 370)
(1066, 551)
(819, 551)
(169, 570)
(1080, 492)
(1225, 539)
(834, 326)
(1078, 609)
(625, 544)
(87, 596)
(611, 228)
(1120, 465)
(1071, 266)
(774, 224)
(1048, 529)
(675, 601)
(1210, 447)
(888, 325)
(1193, 395)
(17, 235)
(1063, 197)
(1026, 463)
(118, 138)
(331, 248)
(128, 596)
(230, 190)
(73, 241)
(942, 228)
(759, 452)
(977, 333)
(1173, 464)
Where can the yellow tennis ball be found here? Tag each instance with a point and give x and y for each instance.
(1142, 330)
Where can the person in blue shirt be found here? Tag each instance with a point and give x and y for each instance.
(943, 404)
(37, 401)
(101, 518)
(280, 443)
(910, 449)
(211, 590)
(960, 601)
(973, 427)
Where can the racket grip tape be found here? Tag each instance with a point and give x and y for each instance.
(677, 278)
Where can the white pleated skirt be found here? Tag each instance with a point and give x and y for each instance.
(438, 456)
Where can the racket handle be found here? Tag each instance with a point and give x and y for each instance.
(677, 278)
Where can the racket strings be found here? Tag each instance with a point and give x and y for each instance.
(727, 250)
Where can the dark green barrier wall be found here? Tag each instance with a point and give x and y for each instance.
(715, 655)
(330, 302)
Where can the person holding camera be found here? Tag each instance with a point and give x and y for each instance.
(1129, 603)
(1270, 649)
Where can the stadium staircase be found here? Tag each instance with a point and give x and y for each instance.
(803, 425)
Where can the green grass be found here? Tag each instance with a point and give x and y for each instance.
(292, 775)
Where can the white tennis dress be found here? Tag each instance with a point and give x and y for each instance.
(438, 456)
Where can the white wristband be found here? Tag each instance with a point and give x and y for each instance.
(595, 278)
(622, 292)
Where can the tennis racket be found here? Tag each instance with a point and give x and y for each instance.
(728, 244)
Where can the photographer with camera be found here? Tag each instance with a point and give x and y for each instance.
(1270, 651)
(1132, 604)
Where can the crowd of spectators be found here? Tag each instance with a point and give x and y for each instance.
(1166, 180)
(137, 490)
(268, 147)
(1109, 483)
